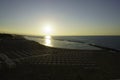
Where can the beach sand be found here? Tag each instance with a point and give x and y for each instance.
(22, 59)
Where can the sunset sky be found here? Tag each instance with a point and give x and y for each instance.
(60, 17)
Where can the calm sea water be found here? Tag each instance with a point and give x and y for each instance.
(79, 42)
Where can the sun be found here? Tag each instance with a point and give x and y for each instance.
(47, 29)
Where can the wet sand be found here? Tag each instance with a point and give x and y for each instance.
(22, 59)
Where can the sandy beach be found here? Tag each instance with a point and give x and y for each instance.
(22, 59)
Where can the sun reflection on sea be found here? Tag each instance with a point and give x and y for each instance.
(48, 41)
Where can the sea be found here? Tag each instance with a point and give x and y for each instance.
(78, 42)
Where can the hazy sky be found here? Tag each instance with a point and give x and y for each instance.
(66, 17)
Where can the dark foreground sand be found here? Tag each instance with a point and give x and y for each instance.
(22, 59)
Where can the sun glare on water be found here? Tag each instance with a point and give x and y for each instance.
(48, 41)
(47, 32)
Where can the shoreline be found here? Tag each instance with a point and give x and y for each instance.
(83, 45)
